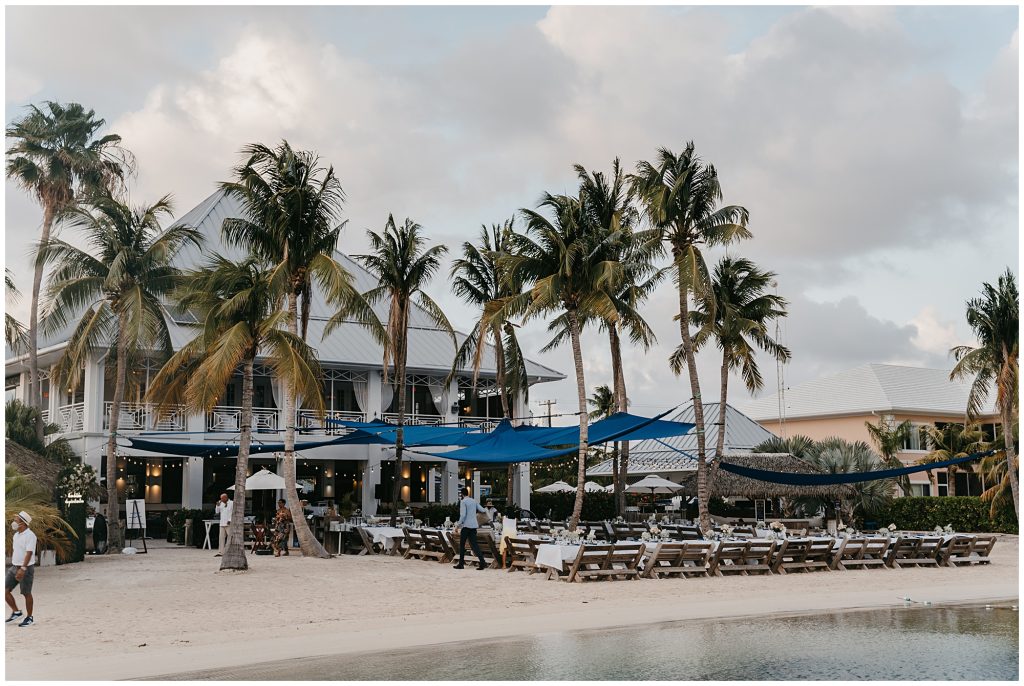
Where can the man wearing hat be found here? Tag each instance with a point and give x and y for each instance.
(23, 565)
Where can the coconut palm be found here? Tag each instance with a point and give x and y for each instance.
(55, 156)
(291, 209)
(603, 401)
(995, 319)
(839, 456)
(998, 494)
(22, 493)
(477, 279)
(797, 446)
(949, 442)
(680, 195)
(737, 322)
(237, 307)
(115, 288)
(14, 332)
(565, 262)
(403, 264)
(890, 438)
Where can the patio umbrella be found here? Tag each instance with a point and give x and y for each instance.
(593, 487)
(557, 487)
(653, 483)
(262, 480)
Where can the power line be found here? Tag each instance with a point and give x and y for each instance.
(548, 404)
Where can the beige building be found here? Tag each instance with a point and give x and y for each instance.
(841, 404)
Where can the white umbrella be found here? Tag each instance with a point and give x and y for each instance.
(653, 483)
(610, 488)
(262, 480)
(593, 487)
(557, 487)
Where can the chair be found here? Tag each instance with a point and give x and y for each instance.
(743, 532)
(728, 558)
(860, 552)
(799, 555)
(369, 547)
(957, 552)
(906, 552)
(691, 533)
(677, 559)
(758, 556)
(522, 554)
(606, 561)
(488, 550)
(982, 548)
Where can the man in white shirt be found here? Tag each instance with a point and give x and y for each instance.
(23, 565)
(224, 507)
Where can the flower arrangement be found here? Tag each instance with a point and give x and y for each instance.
(777, 526)
(645, 536)
(938, 529)
(655, 531)
(759, 524)
(892, 527)
(665, 520)
(417, 523)
(948, 528)
(884, 532)
(727, 530)
(592, 535)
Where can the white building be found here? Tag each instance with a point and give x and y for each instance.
(352, 389)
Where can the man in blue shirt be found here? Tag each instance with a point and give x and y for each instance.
(467, 526)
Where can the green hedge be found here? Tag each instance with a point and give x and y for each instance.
(432, 515)
(963, 513)
(596, 506)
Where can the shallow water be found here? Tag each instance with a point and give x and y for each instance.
(904, 643)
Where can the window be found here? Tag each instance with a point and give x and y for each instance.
(943, 480)
(11, 388)
(918, 438)
(921, 490)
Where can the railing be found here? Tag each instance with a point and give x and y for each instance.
(71, 418)
(486, 424)
(144, 417)
(307, 420)
(46, 416)
(229, 419)
(414, 419)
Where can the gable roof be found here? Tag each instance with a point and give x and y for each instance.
(871, 388)
(678, 454)
(430, 348)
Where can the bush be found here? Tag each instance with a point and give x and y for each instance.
(596, 506)
(435, 514)
(963, 513)
(176, 524)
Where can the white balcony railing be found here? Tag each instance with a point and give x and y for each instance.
(307, 420)
(486, 424)
(71, 418)
(229, 419)
(414, 419)
(143, 417)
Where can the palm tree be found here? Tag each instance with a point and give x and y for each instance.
(839, 456)
(995, 320)
(403, 264)
(116, 288)
(603, 401)
(565, 262)
(55, 157)
(680, 196)
(737, 322)
(797, 446)
(291, 207)
(237, 307)
(612, 216)
(22, 493)
(998, 494)
(949, 442)
(477, 279)
(890, 439)
(14, 332)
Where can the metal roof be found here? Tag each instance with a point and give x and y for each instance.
(871, 388)
(677, 454)
(430, 349)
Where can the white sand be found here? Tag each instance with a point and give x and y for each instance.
(94, 617)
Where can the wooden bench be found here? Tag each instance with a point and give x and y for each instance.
(982, 548)
(369, 547)
(758, 557)
(488, 550)
(801, 555)
(414, 545)
(677, 559)
(728, 558)
(522, 554)
(606, 562)
(908, 552)
(861, 552)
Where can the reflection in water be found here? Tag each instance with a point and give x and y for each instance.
(938, 643)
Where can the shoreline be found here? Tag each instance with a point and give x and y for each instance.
(167, 613)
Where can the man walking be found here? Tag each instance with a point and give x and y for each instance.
(467, 525)
(223, 509)
(22, 571)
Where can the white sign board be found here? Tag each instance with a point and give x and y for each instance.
(135, 513)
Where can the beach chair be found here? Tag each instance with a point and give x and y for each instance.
(369, 547)
(728, 558)
(522, 553)
(956, 552)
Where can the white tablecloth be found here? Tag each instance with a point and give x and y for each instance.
(385, 535)
(552, 555)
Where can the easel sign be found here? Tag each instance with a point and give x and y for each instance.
(135, 513)
(760, 506)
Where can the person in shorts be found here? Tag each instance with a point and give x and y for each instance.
(22, 571)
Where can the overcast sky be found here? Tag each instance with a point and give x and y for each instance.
(875, 148)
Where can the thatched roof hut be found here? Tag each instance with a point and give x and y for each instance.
(725, 484)
(32, 464)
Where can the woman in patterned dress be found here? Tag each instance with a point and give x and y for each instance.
(282, 528)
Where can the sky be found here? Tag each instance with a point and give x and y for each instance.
(875, 148)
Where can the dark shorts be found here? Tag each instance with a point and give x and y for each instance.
(26, 581)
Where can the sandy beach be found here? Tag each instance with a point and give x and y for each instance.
(171, 611)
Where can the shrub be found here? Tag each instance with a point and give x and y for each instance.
(963, 513)
(435, 514)
(596, 506)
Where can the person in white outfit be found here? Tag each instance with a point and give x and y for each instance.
(23, 567)
(223, 509)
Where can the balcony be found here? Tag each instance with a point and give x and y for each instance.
(71, 418)
(414, 419)
(308, 421)
(229, 419)
(144, 417)
(485, 424)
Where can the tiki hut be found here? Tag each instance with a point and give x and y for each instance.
(32, 464)
(726, 484)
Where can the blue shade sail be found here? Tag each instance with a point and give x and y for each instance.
(503, 445)
(620, 426)
(222, 449)
(383, 433)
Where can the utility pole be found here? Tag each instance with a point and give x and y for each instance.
(547, 403)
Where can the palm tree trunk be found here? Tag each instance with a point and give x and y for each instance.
(951, 481)
(581, 396)
(234, 552)
(35, 398)
(307, 542)
(698, 409)
(401, 356)
(114, 541)
(506, 411)
(620, 460)
(1011, 452)
(723, 400)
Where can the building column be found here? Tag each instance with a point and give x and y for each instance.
(521, 485)
(373, 396)
(92, 388)
(192, 483)
(371, 477)
(450, 482)
(476, 484)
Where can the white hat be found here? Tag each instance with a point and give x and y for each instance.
(25, 517)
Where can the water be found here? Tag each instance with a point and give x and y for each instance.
(904, 643)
